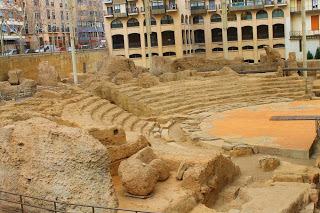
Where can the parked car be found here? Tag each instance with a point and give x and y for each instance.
(10, 52)
(46, 48)
(27, 51)
(61, 49)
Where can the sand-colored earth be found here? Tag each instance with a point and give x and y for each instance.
(252, 125)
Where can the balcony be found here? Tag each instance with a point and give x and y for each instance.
(158, 9)
(268, 3)
(119, 14)
(133, 11)
(198, 10)
(212, 8)
(310, 34)
(108, 14)
(107, 1)
(282, 3)
(309, 9)
(248, 5)
(172, 8)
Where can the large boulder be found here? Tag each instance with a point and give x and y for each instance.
(272, 55)
(15, 76)
(145, 80)
(27, 84)
(137, 177)
(162, 168)
(6, 87)
(40, 158)
(48, 75)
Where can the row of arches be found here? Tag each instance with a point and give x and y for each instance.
(167, 19)
(153, 54)
(247, 47)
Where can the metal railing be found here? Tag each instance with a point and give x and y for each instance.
(172, 7)
(22, 204)
(308, 33)
(308, 8)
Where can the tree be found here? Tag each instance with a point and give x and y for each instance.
(317, 55)
(309, 55)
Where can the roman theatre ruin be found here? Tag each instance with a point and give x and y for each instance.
(196, 135)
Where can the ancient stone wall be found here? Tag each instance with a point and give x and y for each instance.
(86, 62)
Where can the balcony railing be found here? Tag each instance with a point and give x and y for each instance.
(263, 36)
(133, 11)
(108, 13)
(198, 10)
(309, 34)
(278, 35)
(282, 2)
(107, 1)
(232, 38)
(119, 13)
(134, 45)
(212, 7)
(172, 7)
(217, 39)
(268, 3)
(248, 5)
(247, 37)
(309, 8)
(158, 9)
(168, 43)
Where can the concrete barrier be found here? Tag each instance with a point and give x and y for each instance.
(28, 63)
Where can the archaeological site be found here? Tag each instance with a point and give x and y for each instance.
(198, 135)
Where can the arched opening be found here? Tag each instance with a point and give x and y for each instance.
(184, 52)
(199, 36)
(134, 40)
(117, 42)
(279, 46)
(153, 54)
(152, 20)
(262, 14)
(116, 24)
(166, 20)
(200, 51)
(262, 46)
(247, 47)
(168, 38)
(135, 56)
(182, 19)
(247, 33)
(198, 20)
(186, 19)
(249, 61)
(246, 16)
(169, 54)
(216, 34)
(233, 48)
(215, 18)
(232, 34)
(263, 32)
(278, 31)
(133, 22)
(154, 39)
(232, 17)
(277, 13)
(217, 49)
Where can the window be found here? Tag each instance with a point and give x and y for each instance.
(232, 17)
(169, 54)
(246, 16)
(135, 56)
(198, 20)
(217, 49)
(315, 22)
(262, 14)
(278, 45)
(233, 48)
(200, 51)
(166, 20)
(277, 13)
(116, 24)
(249, 61)
(215, 18)
(133, 22)
(262, 46)
(247, 47)
(153, 22)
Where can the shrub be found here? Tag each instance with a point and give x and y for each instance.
(317, 55)
(309, 55)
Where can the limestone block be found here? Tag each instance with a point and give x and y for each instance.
(162, 168)
(112, 135)
(137, 177)
(123, 78)
(48, 74)
(27, 84)
(268, 163)
(15, 76)
(5, 87)
(182, 168)
(314, 195)
(146, 155)
(292, 56)
(288, 178)
(166, 77)
(228, 147)
(47, 160)
(241, 150)
(145, 80)
(272, 55)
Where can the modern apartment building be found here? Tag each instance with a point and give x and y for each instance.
(90, 22)
(294, 32)
(11, 22)
(194, 27)
(47, 23)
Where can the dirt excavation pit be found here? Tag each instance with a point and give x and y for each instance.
(182, 140)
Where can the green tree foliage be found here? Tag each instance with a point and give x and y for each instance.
(317, 55)
(309, 55)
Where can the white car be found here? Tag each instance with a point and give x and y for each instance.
(11, 52)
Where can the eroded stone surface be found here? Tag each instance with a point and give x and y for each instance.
(268, 163)
(162, 168)
(48, 75)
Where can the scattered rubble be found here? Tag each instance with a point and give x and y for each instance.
(268, 163)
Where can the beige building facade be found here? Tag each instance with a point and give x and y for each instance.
(294, 32)
(194, 27)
